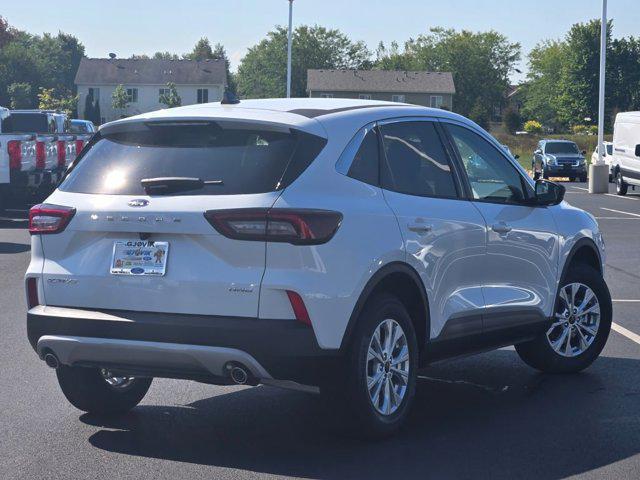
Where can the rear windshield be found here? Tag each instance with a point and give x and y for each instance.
(27, 123)
(234, 160)
(561, 147)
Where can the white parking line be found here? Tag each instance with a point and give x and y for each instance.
(620, 196)
(581, 188)
(625, 301)
(620, 211)
(616, 218)
(626, 333)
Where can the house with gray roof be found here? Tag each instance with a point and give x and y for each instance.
(145, 80)
(429, 89)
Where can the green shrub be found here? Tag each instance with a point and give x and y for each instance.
(512, 120)
(533, 127)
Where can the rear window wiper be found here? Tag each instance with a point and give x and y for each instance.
(168, 185)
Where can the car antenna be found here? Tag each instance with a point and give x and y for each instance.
(229, 98)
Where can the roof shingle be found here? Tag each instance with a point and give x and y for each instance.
(380, 81)
(106, 71)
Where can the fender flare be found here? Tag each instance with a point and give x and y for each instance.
(374, 281)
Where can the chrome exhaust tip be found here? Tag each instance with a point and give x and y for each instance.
(51, 360)
(239, 375)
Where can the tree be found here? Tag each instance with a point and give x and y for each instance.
(512, 120)
(543, 89)
(481, 63)
(63, 101)
(263, 70)
(165, 56)
(97, 115)
(201, 51)
(20, 95)
(119, 99)
(171, 99)
(89, 110)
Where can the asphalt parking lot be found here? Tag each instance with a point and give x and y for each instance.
(487, 416)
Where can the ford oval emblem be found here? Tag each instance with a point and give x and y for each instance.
(137, 270)
(139, 202)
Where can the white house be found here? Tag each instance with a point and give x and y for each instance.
(145, 80)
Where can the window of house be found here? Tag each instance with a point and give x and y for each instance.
(162, 92)
(364, 96)
(397, 98)
(326, 95)
(415, 162)
(436, 101)
(203, 95)
(132, 95)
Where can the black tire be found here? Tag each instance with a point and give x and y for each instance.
(545, 175)
(583, 178)
(540, 355)
(610, 178)
(621, 185)
(348, 394)
(87, 390)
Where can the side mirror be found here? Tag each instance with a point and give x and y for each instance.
(637, 150)
(583, 152)
(549, 193)
(516, 156)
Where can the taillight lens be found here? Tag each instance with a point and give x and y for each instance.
(298, 227)
(40, 155)
(32, 292)
(14, 149)
(79, 145)
(45, 218)
(62, 153)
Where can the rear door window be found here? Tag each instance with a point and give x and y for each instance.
(235, 160)
(415, 162)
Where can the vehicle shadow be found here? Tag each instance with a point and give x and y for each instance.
(487, 417)
(9, 247)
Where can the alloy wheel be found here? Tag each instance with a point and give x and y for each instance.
(576, 320)
(387, 367)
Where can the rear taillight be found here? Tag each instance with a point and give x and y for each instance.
(299, 309)
(14, 149)
(79, 145)
(32, 292)
(40, 155)
(46, 218)
(62, 153)
(298, 227)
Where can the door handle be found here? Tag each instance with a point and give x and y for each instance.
(420, 227)
(501, 228)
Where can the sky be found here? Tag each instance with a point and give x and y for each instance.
(127, 27)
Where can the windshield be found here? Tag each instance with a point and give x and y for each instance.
(235, 161)
(561, 147)
(609, 149)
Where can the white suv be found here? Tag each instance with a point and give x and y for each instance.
(333, 243)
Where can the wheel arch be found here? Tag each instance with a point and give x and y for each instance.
(583, 251)
(403, 281)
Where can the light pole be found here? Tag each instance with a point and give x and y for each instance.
(599, 171)
(289, 49)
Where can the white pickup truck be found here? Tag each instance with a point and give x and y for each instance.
(36, 146)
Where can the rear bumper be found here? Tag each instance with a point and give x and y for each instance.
(180, 346)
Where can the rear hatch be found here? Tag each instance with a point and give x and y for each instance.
(128, 247)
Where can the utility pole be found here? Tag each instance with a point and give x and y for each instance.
(599, 171)
(289, 49)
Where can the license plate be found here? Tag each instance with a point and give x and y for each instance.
(139, 257)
